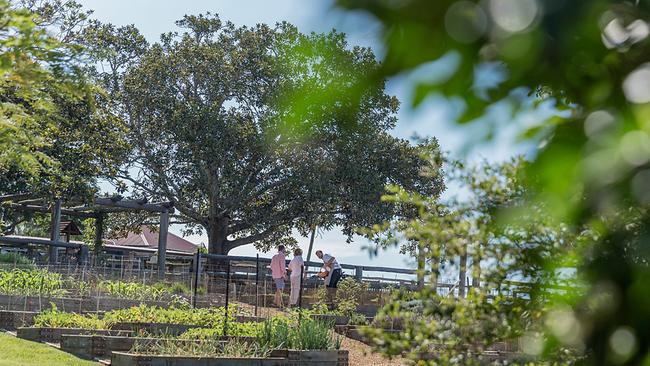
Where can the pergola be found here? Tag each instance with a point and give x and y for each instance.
(98, 208)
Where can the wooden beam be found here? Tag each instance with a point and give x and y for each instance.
(136, 205)
(44, 209)
(20, 240)
(54, 230)
(162, 243)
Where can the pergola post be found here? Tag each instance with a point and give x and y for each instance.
(162, 243)
(54, 233)
(83, 255)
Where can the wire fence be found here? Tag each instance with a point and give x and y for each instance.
(201, 281)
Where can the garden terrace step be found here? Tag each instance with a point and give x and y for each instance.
(53, 335)
(322, 358)
(94, 346)
(353, 332)
(12, 319)
(283, 358)
(76, 304)
(246, 319)
(336, 319)
(129, 359)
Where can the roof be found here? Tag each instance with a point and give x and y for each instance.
(149, 239)
(145, 250)
(69, 227)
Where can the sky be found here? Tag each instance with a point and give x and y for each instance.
(434, 117)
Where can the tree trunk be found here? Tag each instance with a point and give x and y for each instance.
(217, 236)
(217, 244)
(421, 256)
(462, 272)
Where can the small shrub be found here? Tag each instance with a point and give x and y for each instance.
(306, 334)
(176, 288)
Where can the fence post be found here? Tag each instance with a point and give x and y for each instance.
(302, 273)
(162, 243)
(225, 321)
(358, 273)
(197, 268)
(257, 282)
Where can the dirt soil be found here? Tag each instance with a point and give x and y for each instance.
(360, 355)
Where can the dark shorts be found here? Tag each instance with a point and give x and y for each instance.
(335, 278)
(279, 283)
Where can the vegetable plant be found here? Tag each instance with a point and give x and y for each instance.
(29, 282)
(53, 318)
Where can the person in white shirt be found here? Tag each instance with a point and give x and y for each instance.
(331, 281)
(296, 266)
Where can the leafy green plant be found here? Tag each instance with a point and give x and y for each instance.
(53, 318)
(358, 319)
(176, 288)
(235, 329)
(302, 334)
(134, 290)
(31, 282)
(213, 317)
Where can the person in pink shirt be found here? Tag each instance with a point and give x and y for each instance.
(279, 274)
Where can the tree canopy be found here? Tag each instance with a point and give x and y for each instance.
(254, 131)
(58, 134)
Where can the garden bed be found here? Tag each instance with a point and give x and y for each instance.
(330, 318)
(12, 319)
(131, 359)
(53, 335)
(277, 358)
(332, 357)
(354, 332)
(96, 345)
(77, 304)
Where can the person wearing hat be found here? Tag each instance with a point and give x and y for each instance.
(334, 275)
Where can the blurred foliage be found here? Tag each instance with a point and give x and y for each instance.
(518, 263)
(590, 172)
(255, 131)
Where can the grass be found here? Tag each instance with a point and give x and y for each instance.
(19, 352)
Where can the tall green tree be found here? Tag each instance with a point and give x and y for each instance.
(58, 133)
(254, 131)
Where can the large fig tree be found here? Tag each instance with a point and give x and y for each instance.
(255, 131)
